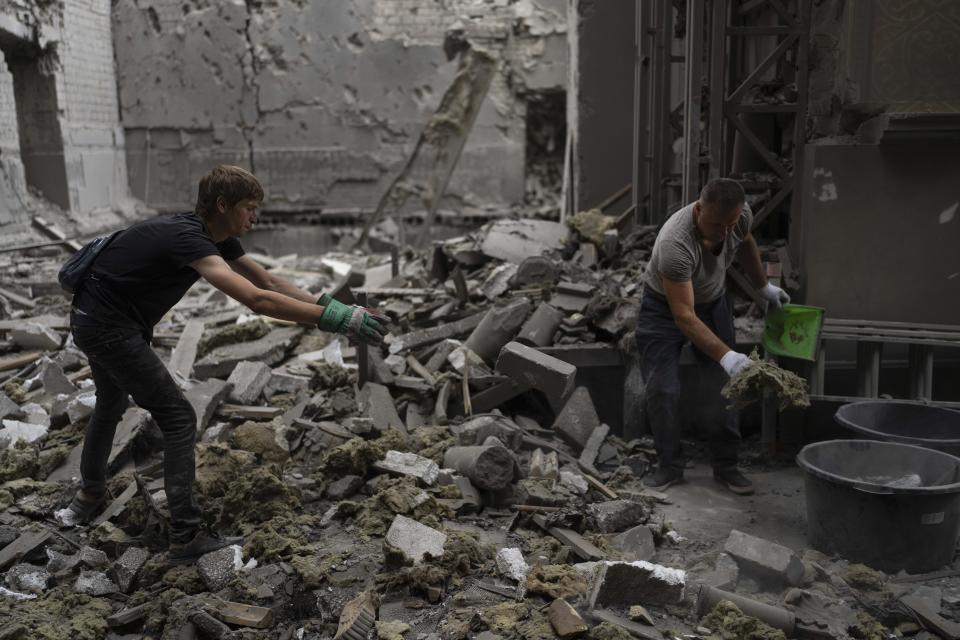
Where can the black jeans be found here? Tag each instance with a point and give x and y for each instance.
(659, 341)
(123, 364)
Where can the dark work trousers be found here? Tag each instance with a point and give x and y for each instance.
(123, 364)
(659, 341)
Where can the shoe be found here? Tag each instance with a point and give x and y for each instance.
(205, 541)
(662, 478)
(80, 510)
(732, 479)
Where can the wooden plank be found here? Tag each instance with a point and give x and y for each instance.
(580, 546)
(19, 360)
(185, 353)
(57, 322)
(53, 231)
(17, 298)
(888, 324)
(932, 620)
(421, 370)
(118, 505)
(24, 544)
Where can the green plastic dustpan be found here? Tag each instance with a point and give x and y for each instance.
(793, 331)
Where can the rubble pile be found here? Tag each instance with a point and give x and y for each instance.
(456, 482)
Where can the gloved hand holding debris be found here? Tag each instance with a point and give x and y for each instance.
(733, 362)
(359, 324)
(755, 375)
(774, 295)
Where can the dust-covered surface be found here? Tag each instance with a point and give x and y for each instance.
(729, 623)
(760, 376)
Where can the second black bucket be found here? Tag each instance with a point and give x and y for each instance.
(905, 422)
(888, 505)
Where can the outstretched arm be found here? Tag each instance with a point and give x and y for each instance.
(260, 277)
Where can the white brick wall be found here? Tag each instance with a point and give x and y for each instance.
(425, 21)
(9, 139)
(87, 59)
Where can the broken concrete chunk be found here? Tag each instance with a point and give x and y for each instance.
(725, 573)
(475, 431)
(344, 487)
(13, 431)
(8, 408)
(376, 402)
(31, 335)
(205, 397)
(27, 578)
(497, 328)
(248, 380)
(94, 583)
(622, 584)
(127, 566)
(763, 558)
(578, 419)
(488, 467)
(93, 558)
(591, 450)
(208, 626)
(54, 380)
(269, 349)
(635, 544)
(282, 381)
(618, 515)
(638, 613)
(409, 464)
(536, 271)
(60, 562)
(565, 620)
(358, 617)
(511, 564)
(574, 481)
(554, 377)
(498, 281)
(516, 240)
(81, 406)
(218, 568)
(414, 540)
(262, 439)
(541, 327)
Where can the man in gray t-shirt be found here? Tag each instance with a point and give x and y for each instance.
(684, 300)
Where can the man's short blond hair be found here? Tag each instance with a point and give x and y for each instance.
(230, 182)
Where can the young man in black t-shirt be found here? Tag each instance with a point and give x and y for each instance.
(135, 280)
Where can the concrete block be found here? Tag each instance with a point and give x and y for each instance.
(528, 366)
(565, 620)
(470, 500)
(217, 568)
(31, 335)
(409, 464)
(94, 583)
(210, 627)
(248, 380)
(591, 450)
(35, 414)
(269, 349)
(615, 516)
(27, 578)
(125, 569)
(93, 558)
(81, 406)
(376, 403)
(635, 544)
(205, 397)
(61, 562)
(285, 382)
(414, 540)
(578, 419)
(476, 430)
(13, 431)
(541, 326)
(344, 487)
(574, 481)
(511, 564)
(54, 380)
(498, 327)
(623, 584)
(764, 559)
(8, 408)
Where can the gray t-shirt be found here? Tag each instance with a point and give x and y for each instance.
(679, 256)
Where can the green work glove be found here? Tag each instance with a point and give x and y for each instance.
(355, 322)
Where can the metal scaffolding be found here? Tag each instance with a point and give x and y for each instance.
(747, 59)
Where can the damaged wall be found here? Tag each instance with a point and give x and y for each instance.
(59, 120)
(323, 100)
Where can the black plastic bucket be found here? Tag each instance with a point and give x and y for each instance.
(904, 422)
(888, 505)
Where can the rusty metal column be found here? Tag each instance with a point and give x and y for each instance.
(693, 92)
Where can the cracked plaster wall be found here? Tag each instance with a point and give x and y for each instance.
(324, 100)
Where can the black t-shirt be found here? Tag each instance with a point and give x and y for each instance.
(146, 269)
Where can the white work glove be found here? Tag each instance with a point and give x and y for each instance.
(773, 294)
(734, 362)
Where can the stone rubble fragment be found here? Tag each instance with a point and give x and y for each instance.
(623, 584)
(413, 540)
(511, 564)
(409, 464)
(763, 558)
